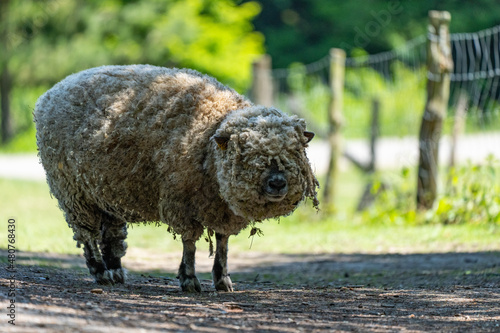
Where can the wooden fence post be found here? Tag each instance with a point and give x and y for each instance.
(337, 72)
(439, 66)
(262, 84)
(374, 133)
(369, 194)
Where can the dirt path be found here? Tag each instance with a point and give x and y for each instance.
(447, 292)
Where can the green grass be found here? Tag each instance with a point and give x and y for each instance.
(40, 226)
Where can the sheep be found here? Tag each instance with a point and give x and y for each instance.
(140, 143)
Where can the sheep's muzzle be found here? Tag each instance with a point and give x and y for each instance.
(275, 185)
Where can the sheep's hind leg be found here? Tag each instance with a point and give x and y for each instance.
(113, 247)
(187, 278)
(221, 278)
(95, 263)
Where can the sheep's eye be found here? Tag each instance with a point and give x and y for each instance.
(221, 142)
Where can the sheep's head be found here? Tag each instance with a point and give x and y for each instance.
(262, 168)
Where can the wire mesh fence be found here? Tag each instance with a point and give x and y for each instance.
(397, 80)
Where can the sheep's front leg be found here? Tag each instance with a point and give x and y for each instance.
(187, 278)
(95, 263)
(221, 278)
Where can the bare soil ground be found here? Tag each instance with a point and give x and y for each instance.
(445, 292)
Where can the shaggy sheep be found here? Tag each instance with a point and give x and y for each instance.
(126, 144)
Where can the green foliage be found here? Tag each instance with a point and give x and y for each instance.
(215, 37)
(401, 98)
(472, 196)
(395, 200)
(479, 120)
(308, 97)
(23, 101)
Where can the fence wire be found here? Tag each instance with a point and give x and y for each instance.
(397, 79)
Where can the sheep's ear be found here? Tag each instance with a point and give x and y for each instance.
(309, 136)
(221, 142)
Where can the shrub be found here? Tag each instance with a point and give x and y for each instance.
(471, 196)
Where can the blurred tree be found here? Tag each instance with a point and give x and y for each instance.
(5, 81)
(213, 36)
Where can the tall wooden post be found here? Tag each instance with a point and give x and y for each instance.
(337, 72)
(439, 66)
(374, 133)
(369, 194)
(262, 84)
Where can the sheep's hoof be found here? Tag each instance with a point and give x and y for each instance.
(224, 284)
(119, 275)
(105, 278)
(190, 284)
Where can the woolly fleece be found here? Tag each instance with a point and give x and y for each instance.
(136, 144)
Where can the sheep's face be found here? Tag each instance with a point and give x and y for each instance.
(262, 168)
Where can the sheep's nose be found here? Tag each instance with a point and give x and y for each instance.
(277, 184)
(276, 187)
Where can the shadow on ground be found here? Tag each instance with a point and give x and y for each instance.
(316, 270)
(273, 293)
